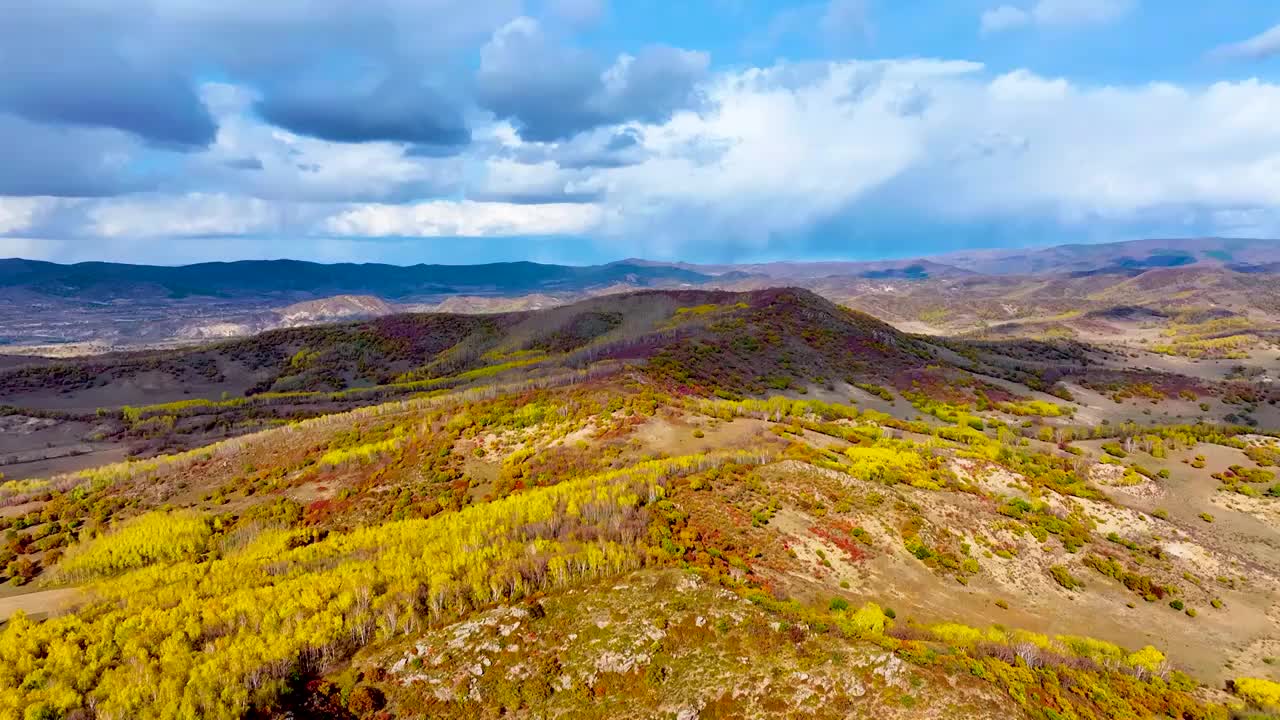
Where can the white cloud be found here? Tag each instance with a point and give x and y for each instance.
(292, 167)
(18, 214)
(193, 215)
(1056, 13)
(984, 148)
(447, 218)
(774, 155)
(786, 156)
(1263, 45)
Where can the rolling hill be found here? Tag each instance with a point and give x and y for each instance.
(669, 503)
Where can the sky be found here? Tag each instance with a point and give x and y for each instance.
(583, 131)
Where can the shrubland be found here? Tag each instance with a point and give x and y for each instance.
(527, 464)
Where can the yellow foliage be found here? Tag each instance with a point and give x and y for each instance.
(1037, 408)
(1091, 647)
(1148, 658)
(1263, 693)
(18, 487)
(869, 620)
(151, 538)
(884, 464)
(203, 639)
(958, 635)
(362, 453)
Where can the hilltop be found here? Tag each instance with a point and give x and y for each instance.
(691, 341)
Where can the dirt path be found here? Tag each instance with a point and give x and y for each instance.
(39, 603)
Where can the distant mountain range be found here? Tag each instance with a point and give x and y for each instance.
(301, 280)
(294, 278)
(114, 304)
(1120, 257)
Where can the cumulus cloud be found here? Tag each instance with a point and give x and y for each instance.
(394, 109)
(610, 148)
(649, 153)
(257, 159)
(105, 92)
(443, 218)
(1056, 13)
(1263, 45)
(552, 92)
(1012, 146)
(130, 64)
(193, 215)
(905, 142)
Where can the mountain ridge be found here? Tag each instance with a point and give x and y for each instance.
(401, 281)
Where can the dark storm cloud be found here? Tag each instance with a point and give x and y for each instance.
(99, 89)
(136, 65)
(38, 159)
(399, 111)
(552, 92)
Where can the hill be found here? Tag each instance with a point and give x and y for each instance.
(663, 503)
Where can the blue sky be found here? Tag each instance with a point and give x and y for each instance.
(171, 131)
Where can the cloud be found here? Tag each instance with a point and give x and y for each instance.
(259, 160)
(104, 91)
(443, 218)
(1263, 45)
(132, 65)
(613, 149)
(20, 214)
(244, 163)
(38, 159)
(807, 158)
(1057, 14)
(151, 220)
(193, 215)
(552, 92)
(394, 110)
(1003, 149)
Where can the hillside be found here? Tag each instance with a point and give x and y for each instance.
(664, 503)
(693, 341)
